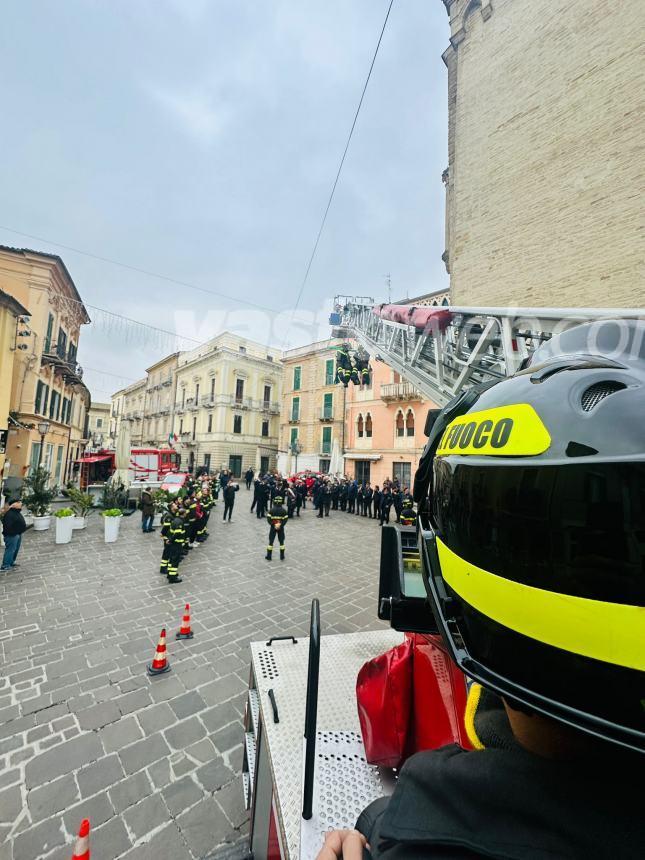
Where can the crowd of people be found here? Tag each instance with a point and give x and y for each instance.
(275, 498)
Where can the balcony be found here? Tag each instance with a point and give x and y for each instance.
(208, 400)
(400, 391)
(187, 440)
(269, 406)
(327, 413)
(179, 409)
(242, 402)
(64, 364)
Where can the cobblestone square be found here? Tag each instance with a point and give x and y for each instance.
(153, 762)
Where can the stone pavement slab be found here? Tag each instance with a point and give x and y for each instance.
(154, 762)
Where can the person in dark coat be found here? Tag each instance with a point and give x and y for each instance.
(248, 477)
(147, 510)
(376, 502)
(368, 494)
(386, 504)
(318, 493)
(13, 528)
(229, 499)
(352, 492)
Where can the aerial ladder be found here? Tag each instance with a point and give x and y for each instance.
(441, 350)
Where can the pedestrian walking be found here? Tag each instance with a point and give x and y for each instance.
(229, 499)
(248, 477)
(147, 505)
(277, 518)
(13, 527)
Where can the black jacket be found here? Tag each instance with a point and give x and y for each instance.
(229, 493)
(13, 523)
(504, 802)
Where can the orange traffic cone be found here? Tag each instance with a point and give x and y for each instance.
(82, 847)
(160, 663)
(185, 632)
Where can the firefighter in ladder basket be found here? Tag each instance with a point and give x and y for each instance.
(277, 518)
(531, 512)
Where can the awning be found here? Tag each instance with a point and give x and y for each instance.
(93, 459)
(372, 457)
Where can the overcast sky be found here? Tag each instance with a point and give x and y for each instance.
(199, 139)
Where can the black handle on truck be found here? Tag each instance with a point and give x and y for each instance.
(311, 710)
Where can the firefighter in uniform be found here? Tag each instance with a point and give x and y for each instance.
(531, 536)
(277, 518)
(408, 514)
(176, 542)
(166, 522)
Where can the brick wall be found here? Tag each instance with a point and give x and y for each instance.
(546, 177)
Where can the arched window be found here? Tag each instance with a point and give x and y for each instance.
(359, 426)
(445, 303)
(368, 425)
(409, 423)
(400, 424)
(435, 304)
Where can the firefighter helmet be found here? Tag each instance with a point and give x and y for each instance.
(533, 531)
(278, 500)
(407, 503)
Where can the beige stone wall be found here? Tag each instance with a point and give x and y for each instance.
(545, 187)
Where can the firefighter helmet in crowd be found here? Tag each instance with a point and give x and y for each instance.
(278, 500)
(532, 498)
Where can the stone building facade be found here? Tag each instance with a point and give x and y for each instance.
(98, 426)
(312, 412)
(227, 404)
(545, 172)
(47, 389)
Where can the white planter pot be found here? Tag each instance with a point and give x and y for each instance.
(64, 527)
(41, 524)
(78, 523)
(156, 520)
(111, 528)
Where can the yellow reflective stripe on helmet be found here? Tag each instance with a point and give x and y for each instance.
(611, 632)
(506, 431)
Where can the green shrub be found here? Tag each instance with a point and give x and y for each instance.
(82, 503)
(37, 494)
(64, 512)
(114, 495)
(112, 512)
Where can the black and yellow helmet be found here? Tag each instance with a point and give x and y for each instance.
(532, 498)
(278, 500)
(407, 503)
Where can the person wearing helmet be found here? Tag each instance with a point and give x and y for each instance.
(531, 497)
(277, 518)
(408, 514)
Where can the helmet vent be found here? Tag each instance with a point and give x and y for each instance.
(597, 392)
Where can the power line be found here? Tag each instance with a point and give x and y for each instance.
(340, 167)
(139, 270)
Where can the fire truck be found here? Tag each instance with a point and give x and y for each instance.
(146, 464)
(305, 768)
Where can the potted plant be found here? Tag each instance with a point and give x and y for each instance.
(112, 521)
(161, 499)
(64, 524)
(38, 496)
(82, 504)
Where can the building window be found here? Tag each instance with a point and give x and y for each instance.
(326, 440)
(239, 390)
(328, 406)
(212, 388)
(54, 406)
(197, 393)
(295, 409)
(64, 411)
(265, 428)
(48, 339)
(293, 436)
(409, 423)
(368, 425)
(297, 375)
(59, 464)
(235, 465)
(402, 472)
(207, 462)
(61, 345)
(35, 455)
(267, 395)
(99, 423)
(400, 424)
(181, 426)
(362, 473)
(237, 424)
(210, 423)
(323, 466)
(183, 397)
(194, 427)
(360, 427)
(264, 465)
(71, 355)
(329, 372)
(242, 349)
(41, 397)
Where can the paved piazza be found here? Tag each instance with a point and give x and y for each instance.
(153, 762)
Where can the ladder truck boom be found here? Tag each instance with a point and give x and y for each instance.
(442, 350)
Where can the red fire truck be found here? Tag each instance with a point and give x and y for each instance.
(146, 464)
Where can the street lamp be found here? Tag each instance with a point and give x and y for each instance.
(43, 429)
(296, 449)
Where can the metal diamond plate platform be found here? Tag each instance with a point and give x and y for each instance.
(345, 783)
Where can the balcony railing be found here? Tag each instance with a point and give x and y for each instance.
(400, 391)
(327, 413)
